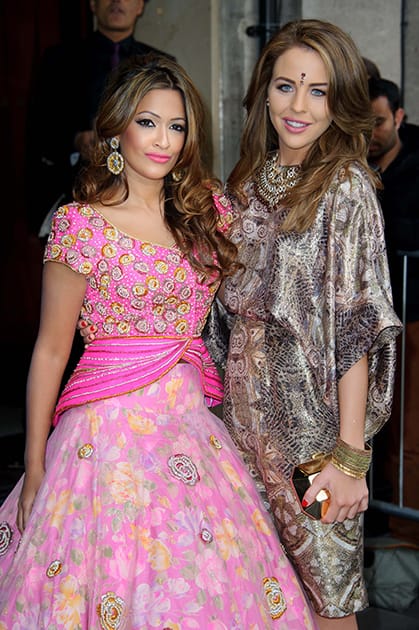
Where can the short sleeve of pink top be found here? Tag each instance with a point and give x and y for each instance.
(135, 290)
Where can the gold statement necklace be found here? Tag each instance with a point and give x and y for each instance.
(275, 181)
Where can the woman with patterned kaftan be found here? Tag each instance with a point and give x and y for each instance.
(136, 511)
(310, 367)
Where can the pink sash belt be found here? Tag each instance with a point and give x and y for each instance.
(113, 366)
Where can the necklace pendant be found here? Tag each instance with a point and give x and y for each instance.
(275, 182)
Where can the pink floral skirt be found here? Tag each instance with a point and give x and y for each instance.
(146, 518)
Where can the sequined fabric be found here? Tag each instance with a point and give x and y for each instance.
(307, 308)
(133, 287)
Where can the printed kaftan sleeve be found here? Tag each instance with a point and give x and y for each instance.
(68, 237)
(365, 320)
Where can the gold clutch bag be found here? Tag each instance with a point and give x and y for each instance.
(303, 477)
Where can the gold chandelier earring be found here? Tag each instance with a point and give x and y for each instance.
(115, 161)
(177, 175)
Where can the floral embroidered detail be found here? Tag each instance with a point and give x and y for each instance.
(161, 266)
(85, 234)
(68, 241)
(206, 535)
(139, 289)
(111, 233)
(275, 596)
(110, 611)
(182, 326)
(109, 250)
(85, 451)
(85, 268)
(54, 569)
(182, 467)
(183, 308)
(148, 249)
(127, 259)
(55, 251)
(127, 274)
(152, 283)
(6, 535)
(215, 442)
(180, 274)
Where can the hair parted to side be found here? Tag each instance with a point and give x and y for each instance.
(189, 207)
(347, 138)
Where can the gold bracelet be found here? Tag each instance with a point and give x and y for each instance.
(350, 460)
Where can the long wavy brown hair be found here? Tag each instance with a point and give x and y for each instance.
(345, 141)
(189, 207)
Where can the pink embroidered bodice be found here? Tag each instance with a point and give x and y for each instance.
(133, 287)
(146, 294)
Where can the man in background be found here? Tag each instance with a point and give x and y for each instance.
(398, 164)
(408, 132)
(397, 161)
(68, 87)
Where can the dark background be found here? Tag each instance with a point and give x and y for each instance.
(27, 28)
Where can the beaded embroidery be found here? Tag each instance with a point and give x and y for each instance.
(54, 568)
(206, 535)
(154, 284)
(274, 182)
(6, 535)
(182, 467)
(275, 596)
(215, 442)
(110, 611)
(85, 451)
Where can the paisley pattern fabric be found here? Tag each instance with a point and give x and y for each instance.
(306, 309)
(146, 516)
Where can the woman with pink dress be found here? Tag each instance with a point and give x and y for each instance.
(136, 511)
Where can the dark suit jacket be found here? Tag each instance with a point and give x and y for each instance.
(400, 203)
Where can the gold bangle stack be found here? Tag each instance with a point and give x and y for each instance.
(352, 461)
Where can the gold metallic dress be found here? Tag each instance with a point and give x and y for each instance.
(306, 309)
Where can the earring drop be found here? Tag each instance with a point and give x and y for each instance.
(267, 102)
(177, 175)
(115, 161)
